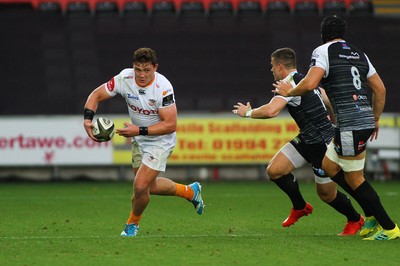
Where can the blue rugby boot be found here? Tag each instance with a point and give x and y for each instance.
(130, 230)
(197, 200)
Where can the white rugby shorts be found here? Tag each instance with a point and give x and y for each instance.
(152, 153)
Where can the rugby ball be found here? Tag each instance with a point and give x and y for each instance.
(103, 129)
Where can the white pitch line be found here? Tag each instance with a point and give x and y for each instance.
(146, 236)
(117, 236)
(63, 197)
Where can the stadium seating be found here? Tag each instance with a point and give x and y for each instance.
(249, 8)
(220, 8)
(50, 7)
(78, 8)
(196, 7)
(361, 8)
(192, 9)
(163, 8)
(72, 48)
(306, 8)
(106, 8)
(135, 8)
(278, 8)
(334, 7)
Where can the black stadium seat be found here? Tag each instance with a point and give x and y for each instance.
(106, 8)
(50, 7)
(221, 9)
(334, 7)
(78, 8)
(164, 8)
(249, 8)
(135, 8)
(278, 8)
(306, 8)
(361, 8)
(192, 9)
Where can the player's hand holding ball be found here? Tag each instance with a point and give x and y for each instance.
(103, 129)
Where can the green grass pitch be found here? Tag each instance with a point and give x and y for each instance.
(78, 223)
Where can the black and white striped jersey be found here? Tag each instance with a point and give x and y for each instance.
(310, 113)
(346, 71)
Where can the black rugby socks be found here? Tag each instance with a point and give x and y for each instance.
(288, 184)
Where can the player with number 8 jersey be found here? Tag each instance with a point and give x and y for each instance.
(353, 112)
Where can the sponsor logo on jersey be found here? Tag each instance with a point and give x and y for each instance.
(152, 102)
(353, 56)
(313, 62)
(296, 140)
(345, 46)
(133, 97)
(110, 85)
(142, 111)
(152, 158)
(166, 92)
(359, 97)
(363, 108)
(361, 145)
(319, 172)
(142, 91)
(168, 100)
(128, 77)
(338, 149)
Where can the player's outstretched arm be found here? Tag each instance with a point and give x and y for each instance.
(242, 110)
(269, 110)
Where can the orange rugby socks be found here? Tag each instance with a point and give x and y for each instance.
(184, 191)
(133, 219)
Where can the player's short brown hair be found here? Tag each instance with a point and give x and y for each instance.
(285, 56)
(145, 55)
